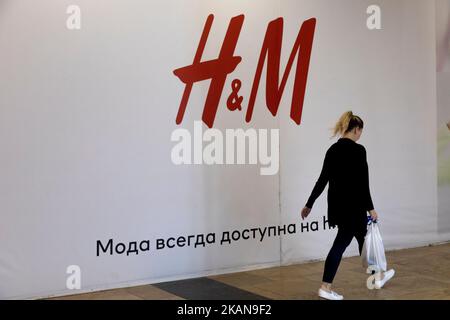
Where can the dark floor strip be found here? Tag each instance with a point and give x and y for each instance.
(206, 289)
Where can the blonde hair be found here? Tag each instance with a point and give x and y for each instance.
(346, 123)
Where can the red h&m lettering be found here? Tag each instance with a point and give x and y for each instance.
(218, 69)
(271, 49)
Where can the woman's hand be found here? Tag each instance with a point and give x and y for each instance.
(305, 212)
(373, 215)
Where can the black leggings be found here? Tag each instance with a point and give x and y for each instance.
(343, 238)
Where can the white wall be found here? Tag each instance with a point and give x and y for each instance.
(86, 118)
(387, 77)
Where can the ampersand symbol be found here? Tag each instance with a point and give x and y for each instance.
(234, 100)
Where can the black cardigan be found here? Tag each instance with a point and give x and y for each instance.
(345, 168)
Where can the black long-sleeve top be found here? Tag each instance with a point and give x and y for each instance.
(345, 169)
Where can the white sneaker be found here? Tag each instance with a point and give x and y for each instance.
(387, 276)
(329, 295)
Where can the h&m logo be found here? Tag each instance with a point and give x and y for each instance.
(218, 69)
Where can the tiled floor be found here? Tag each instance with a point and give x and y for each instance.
(421, 273)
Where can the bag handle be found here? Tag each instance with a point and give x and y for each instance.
(370, 220)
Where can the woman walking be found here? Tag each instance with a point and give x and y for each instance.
(345, 169)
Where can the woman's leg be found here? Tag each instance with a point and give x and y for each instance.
(343, 239)
(360, 237)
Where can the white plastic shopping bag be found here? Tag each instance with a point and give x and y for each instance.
(373, 256)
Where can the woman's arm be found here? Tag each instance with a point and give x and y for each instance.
(368, 197)
(321, 182)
